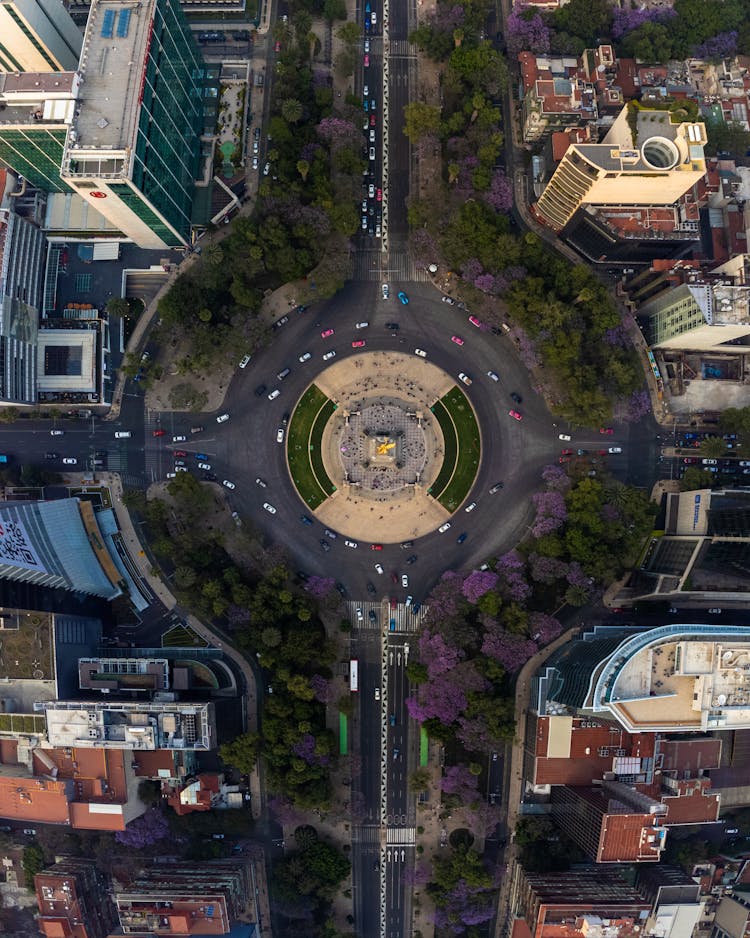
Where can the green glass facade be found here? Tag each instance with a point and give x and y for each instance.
(35, 152)
(167, 149)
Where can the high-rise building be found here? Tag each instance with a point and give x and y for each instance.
(74, 901)
(649, 157)
(56, 544)
(206, 899)
(22, 257)
(37, 36)
(134, 145)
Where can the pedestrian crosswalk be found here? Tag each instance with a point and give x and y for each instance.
(401, 619)
(372, 264)
(400, 835)
(400, 47)
(369, 834)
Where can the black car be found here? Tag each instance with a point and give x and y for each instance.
(393, 326)
(371, 589)
(341, 588)
(371, 615)
(412, 559)
(516, 397)
(285, 420)
(305, 520)
(209, 476)
(324, 544)
(260, 390)
(407, 545)
(461, 538)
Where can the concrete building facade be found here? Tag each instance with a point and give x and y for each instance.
(37, 36)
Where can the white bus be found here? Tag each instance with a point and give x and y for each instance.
(354, 675)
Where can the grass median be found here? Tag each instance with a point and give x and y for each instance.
(303, 447)
(462, 449)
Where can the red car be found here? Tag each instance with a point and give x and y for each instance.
(372, 120)
(180, 452)
(475, 322)
(608, 430)
(277, 47)
(564, 459)
(457, 339)
(326, 333)
(566, 452)
(159, 432)
(379, 195)
(515, 415)
(360, 343)
(376, 546)
(690, 460)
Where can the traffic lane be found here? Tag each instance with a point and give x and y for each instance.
(370, 724)
(27, 445)
(398, 739)
(367, 890)
(396, 865)
(399, 148)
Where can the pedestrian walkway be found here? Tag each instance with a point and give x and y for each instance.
(371, 265)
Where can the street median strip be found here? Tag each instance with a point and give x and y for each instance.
(462, 449)
(303, 447)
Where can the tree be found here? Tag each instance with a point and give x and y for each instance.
(420, 120)
(242, 752)
(419, 780)
(292, 110)
(713, 446)
(33, 863)
(145, 830)
(117, 306)
(731, 138)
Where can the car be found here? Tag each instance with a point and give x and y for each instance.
(412, 559)
(379, 569)
(393, 326)
(284, 373)
(51, 455)
(371, 588)
(228, 484)
(367, 62)
(416, 607)
(732, 830)
(385, 290)
(284, 420)
(566, 452)
(374, 18)
(496, 488)
(371, 190)
(457, 339)
(408, 601)
(352, 544)
(260, 390)
(377, 689)
(376, 546)
(70, 461)
(447, 299)
(329, 355)
(714, 611)
(404, 580)
(364, 206)
(420, 352)
(327, 333)
(154, 433)
(331, 534)
(396, 752)
(305, 520)
(707, 462)
(181, 453)
(222, 418)
(493, 375)
(171, 475)
(744, 463)
(359, 343)
(565, 437)
(373, 120)
(406, 545)
(361, 325)
(608, 431)
(470, 507)
(378, 230)
(403, 297)
(277, 46)
(373, 104)
(30, 831)
(274, 394)
(280, 322)
(324, 544)
(618, 449)
(515, 396)
(367, 45)
(379, 195)
(364, 223)
(306, 357)
(125, 434)
(366, 90)
(690, 460)
(179, 438)
(465, 378)
(444, 527)
(461, 538)
(372, 154)
(255, 162)
(475, 322)
(371, 614)
(266, 169)
(280, 435)
(268, 506)
(261, 482)
(181, 462)
(57, 433)
(515, 415)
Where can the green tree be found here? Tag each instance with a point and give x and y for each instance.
(33, 863)
(242, 752)
(420, 119)
(117, 306)
(185, 577)
(696, 478)
(713, 446)
(419, 779)
(292, 110)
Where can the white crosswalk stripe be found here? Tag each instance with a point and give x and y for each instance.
(373, 265)
(401, 835)
(366, 835)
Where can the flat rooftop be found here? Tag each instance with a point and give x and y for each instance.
(115, 48)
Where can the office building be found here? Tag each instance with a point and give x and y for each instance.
(37, 36)
(732, 918)
(134, 144)
(583, 902)
(646, 159)
(205, 899)
(74, 901)
(23, 251)
(56, 544)
(125, 725)
(676, 901)
(123, 675)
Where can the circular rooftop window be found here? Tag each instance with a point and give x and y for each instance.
(660, 153)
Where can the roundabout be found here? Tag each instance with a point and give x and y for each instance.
(383, 447)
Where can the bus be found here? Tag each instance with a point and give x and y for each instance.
(354, 675)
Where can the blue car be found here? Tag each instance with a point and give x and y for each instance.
(461, 538)
(404, 298)
(201, 456)
(367, 105)
(305, 520)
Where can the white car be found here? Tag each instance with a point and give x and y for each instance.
(377, 689)
(351, 543)
(386, 291)
(465, 378)
(493, 375)
(180, 468)
(373, 18)
(444, 527)
(280, 435)
(366, 91)
(204, 465)
(564, 436)
(269, 508)
(266, 169)
(470, 507)
(222, 418)
(179, 439)
(306, 357)
(329, 355)
(228, 484)
(618, 449)
(274, 394)
(171, 475)
(70, 461)
(371, 190)
(421, 352)
(261, 483)
(379, 568)
(362, 325)
(404, 580)
(57, 433)
(245, 361)
(360, 614)
(122, 434)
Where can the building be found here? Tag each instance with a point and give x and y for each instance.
(672, 679)
(676, 901)
(118, 675)
(74, 901)
(133, 150)
(57, 544)
(558, 94)
(583, 902)
(22, 258)
(205, 899)
(134, 726)
(704, 552)
(732, 919)
(611, 822)
(190, 6)
(37, 36)
(648, 157)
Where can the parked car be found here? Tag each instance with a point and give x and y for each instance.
(228, 484)
(222, 418)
